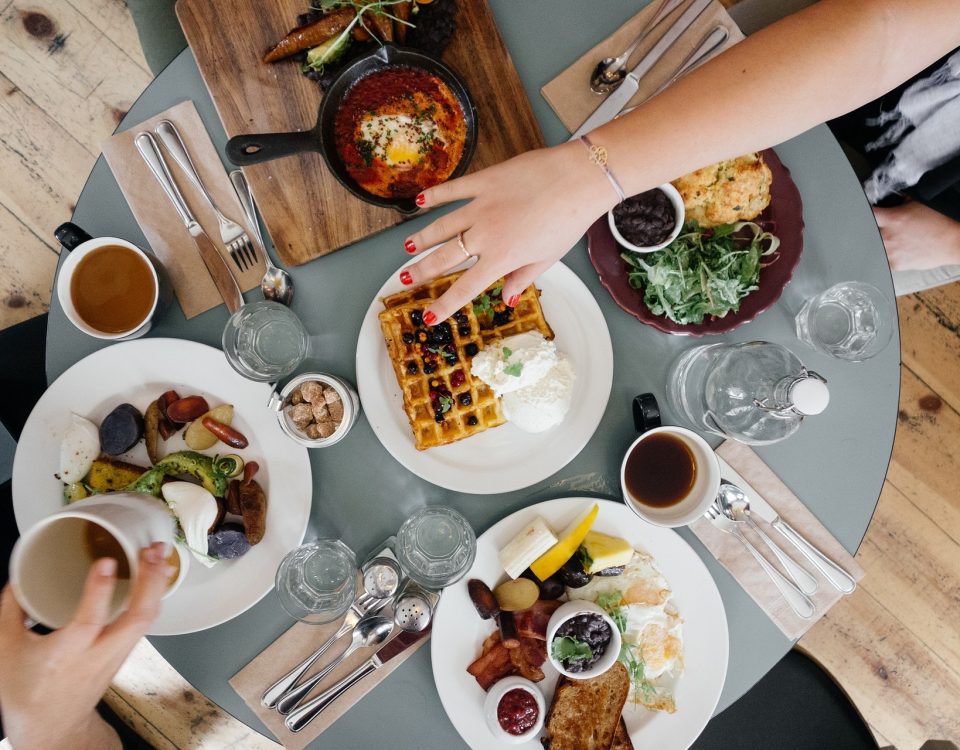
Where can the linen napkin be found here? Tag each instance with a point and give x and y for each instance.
(295, 645)
(161, 225)
(743, 467)
(569, 93)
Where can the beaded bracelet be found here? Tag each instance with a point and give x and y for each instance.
(598, 155)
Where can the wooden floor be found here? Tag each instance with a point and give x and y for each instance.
(69, 70)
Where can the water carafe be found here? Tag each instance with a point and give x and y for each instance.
(755, 392)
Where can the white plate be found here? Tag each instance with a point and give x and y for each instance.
(458, 632)
(137, 372)
(504, 458)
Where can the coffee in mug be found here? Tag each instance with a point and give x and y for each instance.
(51, 560)
(113, 289)
(669, 476)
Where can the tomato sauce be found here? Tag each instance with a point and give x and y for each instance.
(400, 130)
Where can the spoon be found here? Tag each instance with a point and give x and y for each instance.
(611, 71)
(276, 284)
(735, 506)
(369, 632)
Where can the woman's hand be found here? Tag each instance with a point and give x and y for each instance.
(50, 684)
(523, 216)
(917, 237)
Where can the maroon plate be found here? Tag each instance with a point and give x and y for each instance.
(783, 217)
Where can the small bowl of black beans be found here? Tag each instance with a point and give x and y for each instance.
(648, 221)
(582, 640)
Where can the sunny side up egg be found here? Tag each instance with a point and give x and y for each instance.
(652, 626)
(399, 140)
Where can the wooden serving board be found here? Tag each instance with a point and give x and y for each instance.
(307, 212)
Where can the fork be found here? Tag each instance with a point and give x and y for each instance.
(232, 234)
(797, 600)
(277, 690)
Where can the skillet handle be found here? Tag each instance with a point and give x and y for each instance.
(244, 150)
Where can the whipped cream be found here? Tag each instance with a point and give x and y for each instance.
(533, 380)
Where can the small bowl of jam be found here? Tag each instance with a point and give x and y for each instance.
(514, 710)
(648, 221)
(582, 640)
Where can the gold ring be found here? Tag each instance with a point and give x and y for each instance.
(463, 246)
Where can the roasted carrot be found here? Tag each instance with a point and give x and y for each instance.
(311, 35)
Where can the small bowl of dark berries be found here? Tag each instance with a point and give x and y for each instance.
(649, 221)
(514, 710)
(582, 640)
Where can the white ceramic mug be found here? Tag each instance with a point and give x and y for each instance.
(51, 560)
(80, 244)
(706, 485)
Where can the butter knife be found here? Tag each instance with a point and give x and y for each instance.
(619, 99)
(298, 719)
(219, 270)
(836, 575)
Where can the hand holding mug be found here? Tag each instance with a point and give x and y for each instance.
(50, 684)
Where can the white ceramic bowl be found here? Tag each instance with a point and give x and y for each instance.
(348, 396)
(497, 692)
(675, 200)
(583, 607)
(705, 486)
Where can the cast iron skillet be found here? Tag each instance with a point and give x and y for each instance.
(243, 150)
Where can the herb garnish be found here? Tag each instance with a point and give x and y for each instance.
(514, 369)
(610, 601)
(446, 403)
(702, 272)
(570, 649)
(484, 303)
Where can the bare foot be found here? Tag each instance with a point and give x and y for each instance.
(917, 237)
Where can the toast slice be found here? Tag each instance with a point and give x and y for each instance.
(585, 714)
(621, 740)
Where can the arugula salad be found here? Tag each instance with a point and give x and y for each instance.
(704, 271)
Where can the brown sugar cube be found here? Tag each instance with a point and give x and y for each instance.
(301, 414)
(296, 397)
(312, 431)
(336, 411)
(331, 396)
(326, 428)
(312, 391)
(320, 411)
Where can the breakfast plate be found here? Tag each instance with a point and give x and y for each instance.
(458, 631)
(783, 217)
(505, 458)
(136, 372)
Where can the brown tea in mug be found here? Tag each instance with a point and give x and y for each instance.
(101, 543)
(112, 289)
(660, 471)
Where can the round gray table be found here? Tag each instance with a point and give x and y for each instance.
(836, 463)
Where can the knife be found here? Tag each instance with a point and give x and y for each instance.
(616, 101)
(298, 719)
(219, 270)
(836, 575)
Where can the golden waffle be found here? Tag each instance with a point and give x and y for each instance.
(415, 349)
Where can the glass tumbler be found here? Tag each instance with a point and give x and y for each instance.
(317, 582)
(264, 341)
(850, 320)
(436, 546)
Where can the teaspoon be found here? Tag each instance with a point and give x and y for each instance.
(276, 284)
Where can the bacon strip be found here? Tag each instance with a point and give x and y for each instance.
(532, 622)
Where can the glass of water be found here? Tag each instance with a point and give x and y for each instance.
(436, 546)
(317, 582)
(264, 341)
(850, 320)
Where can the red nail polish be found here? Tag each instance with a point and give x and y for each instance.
(512, 302)
(429, 318)
(405, 278)
(421, 199)
(409, 246)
